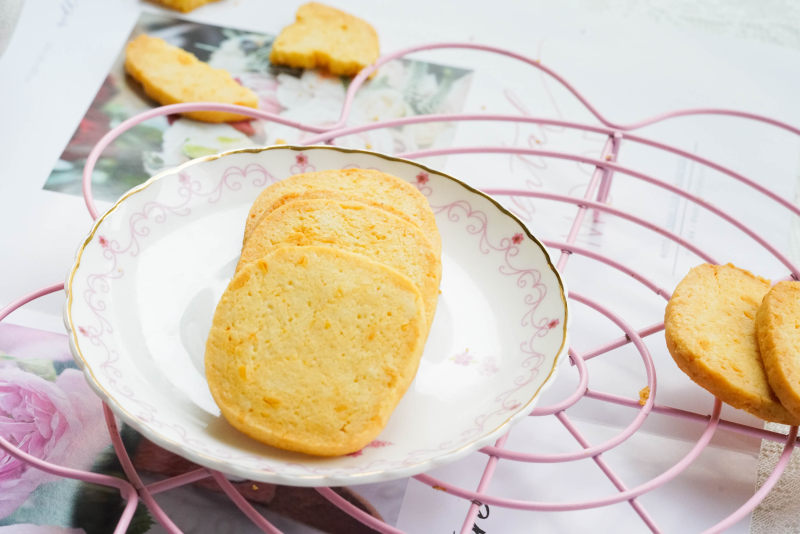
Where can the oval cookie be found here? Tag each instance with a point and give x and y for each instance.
(365, 185)
(311, 349)
(354, 227)
(710, 332)
(778, 332)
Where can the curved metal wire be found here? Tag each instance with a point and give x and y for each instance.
(606, 166)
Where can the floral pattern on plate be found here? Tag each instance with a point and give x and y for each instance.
(145, 283)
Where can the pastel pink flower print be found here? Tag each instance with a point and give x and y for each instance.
(489, 366)
(103, 241)
(301, 164)
(516, 238)
(554, 323)
(463, 358)
(422, 178)
(43, 419)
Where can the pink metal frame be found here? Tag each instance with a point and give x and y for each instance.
(133, 489)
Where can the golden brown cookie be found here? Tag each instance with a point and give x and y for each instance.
(184, 6)
(365, 185)
(327, 38)
(311, 348)
(170, 75)
(354, 227)
(778, 332)
(710, 332)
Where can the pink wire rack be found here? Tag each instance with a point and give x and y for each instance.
(593, 201)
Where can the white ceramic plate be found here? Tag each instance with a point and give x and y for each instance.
(145, 283)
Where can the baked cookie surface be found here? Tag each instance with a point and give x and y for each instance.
(778, 332)
(354, 227)
(328, 38)
(171, 75)
(311, 348)
(710, 332)
(369, 186)
(184, 6)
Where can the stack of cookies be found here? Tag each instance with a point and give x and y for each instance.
(320, 331)
(738, 336)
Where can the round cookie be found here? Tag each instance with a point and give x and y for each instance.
(709, 327)
(311, 348)
(354, 227)
(365, 185)
(778, 333)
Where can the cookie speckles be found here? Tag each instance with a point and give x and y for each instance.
(329, 393)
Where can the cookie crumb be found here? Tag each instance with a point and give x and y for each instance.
(644, 395)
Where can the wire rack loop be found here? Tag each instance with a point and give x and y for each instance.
(594, 201)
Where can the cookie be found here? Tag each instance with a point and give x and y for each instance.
(327, 38)
(354, 227)
(311, 348)
(184, 6)
(778, 333)
(710, 332)
(365, 185)
(171, 75)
